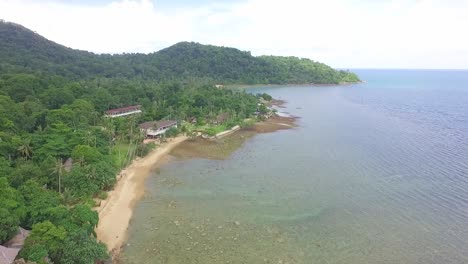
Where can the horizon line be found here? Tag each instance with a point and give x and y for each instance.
(405, 69)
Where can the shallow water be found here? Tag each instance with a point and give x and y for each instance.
(375, 173)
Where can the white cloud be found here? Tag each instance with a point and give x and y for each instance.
(342, 33)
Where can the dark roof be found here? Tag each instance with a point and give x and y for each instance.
(123, 109)
(162, 123)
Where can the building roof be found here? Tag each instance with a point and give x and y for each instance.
(8, 255)
(157, 124)
(18, 240)
(68, 164)
(123, 109)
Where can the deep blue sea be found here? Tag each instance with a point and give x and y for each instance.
(375, 173)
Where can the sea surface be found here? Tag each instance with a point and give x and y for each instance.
(375, 173)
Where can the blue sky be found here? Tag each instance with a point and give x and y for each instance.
(341, 33)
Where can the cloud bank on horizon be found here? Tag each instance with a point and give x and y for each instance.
(341, 33)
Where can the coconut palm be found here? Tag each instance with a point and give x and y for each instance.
(59, 170)
(25, 149)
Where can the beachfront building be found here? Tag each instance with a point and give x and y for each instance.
(124, 111)
(155, 129)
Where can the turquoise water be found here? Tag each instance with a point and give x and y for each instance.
(375, 173)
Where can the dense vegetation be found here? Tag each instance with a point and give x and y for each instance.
(44, 125)
(57, 151)
(22, 50)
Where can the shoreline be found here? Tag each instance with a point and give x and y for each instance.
(247, 86)
(116, 211)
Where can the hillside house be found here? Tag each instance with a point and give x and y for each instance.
(154, 129)
(124, 111)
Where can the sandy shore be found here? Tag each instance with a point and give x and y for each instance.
(116, 211)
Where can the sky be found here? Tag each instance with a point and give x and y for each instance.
(408, 34)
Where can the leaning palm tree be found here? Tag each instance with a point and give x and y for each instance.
(25, 149)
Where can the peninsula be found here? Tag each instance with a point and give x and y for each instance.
(71, 121)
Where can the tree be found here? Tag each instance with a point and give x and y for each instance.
(63, 115)
(81, 248)
(38, 202)
(83, 217)
(83, 112)
(55, 98)
(45, 239)
(8, 224)
(80, 182)
(31, 114)
(57, 141)
(25, 149)
(27, 170)
(5, 167)
(86, 154)
(7, 113)
(20, 86)
(12, 210)
(59, 170)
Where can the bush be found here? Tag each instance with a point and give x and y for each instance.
(102, 195)
(247, 123)
(265, 96)
(172, 132)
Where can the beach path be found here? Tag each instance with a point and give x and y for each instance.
(116, 211)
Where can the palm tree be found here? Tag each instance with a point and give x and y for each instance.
(59, 169)
(25, 149)
(89, 138)
(109, 129)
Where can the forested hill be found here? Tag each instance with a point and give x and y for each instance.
(24, 51)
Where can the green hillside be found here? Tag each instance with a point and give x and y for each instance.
(22, 50)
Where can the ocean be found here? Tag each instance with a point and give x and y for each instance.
(375, 172)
